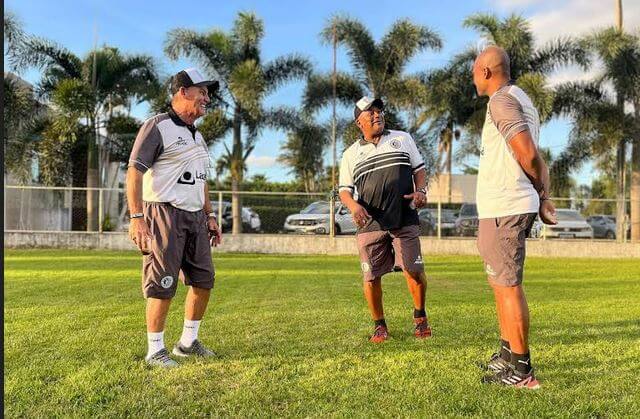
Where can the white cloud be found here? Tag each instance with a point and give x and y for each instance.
(552, 19)
(261, 162)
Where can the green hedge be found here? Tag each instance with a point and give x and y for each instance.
(272, 218)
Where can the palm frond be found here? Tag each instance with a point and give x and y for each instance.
(319, 91)
(557, 53)
(44, 54)
(284, 69)
(355, 37)
(198, 47)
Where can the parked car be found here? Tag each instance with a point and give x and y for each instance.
(571, 225)
(447, 221)
(467, 222)
(604, 226)
(428, 225)
(314, 219)
(250, 219)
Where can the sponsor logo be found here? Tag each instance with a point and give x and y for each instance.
(188, 179)
(489, 270)
(395, 143)
(365, 267)
(166, 282)
(181, 141)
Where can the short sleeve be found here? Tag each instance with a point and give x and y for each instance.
(147, 147)
(417, 162)
(507, 115)
(346, 175)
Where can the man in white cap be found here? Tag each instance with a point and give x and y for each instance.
(172, 222)
(382, 182)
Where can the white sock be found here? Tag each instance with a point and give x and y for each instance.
(189, 332)
(155, 341)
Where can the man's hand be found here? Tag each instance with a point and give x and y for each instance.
(140, 234)
(548, 212)
(215, 235)
(360, 215)
(419, 199)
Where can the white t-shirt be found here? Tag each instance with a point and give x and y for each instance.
(174, 159)
(503, 188)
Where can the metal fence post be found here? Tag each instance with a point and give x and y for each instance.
(220, 210)
(439, 219)
(100, 210)
(332, 215)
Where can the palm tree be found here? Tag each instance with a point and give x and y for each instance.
(91, 88)
(599, 117)
(234, 58)
(303, 150)
(378, 68)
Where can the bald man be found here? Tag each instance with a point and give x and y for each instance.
(512, 188)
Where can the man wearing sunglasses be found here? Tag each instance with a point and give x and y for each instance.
(382, 182)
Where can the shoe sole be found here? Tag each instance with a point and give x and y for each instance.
(181, 354)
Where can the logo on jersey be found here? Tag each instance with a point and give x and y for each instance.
(395, 143)
(188, 179)
(181, 141)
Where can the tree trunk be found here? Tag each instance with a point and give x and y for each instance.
(236, 173)
(92, 181)
(635, 179)
(620, 177)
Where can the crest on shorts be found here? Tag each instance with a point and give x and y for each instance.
(365, 267)
(419, 261)
(489, 270)
(166, 282)
(395, 143)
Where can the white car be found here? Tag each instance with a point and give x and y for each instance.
(571, 225)
(314, 219)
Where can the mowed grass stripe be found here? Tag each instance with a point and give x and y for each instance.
(291, 332)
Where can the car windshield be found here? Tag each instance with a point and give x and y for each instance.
(569, 216)
(469, 210)
(316, 208)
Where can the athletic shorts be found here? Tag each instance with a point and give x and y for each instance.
(501, 242)
(381, 251)
(180, 249)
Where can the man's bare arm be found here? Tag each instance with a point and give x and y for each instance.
(532, 163)
(138, 229)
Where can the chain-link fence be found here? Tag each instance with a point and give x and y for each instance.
(37, 208)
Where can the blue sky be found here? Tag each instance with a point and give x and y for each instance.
(293, 26)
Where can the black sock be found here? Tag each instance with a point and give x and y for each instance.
(522, 362)
(419, 313)
(505, 350)
(380, 322)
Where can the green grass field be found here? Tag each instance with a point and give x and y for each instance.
(292, 332)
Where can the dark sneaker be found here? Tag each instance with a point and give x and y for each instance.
(513, 378)
(161, 359)
(422, 329)
(196, 349)
(380, 334)
(495, 365)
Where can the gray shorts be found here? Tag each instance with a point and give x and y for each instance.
(501, 242)
(380, 251)
(180, 249)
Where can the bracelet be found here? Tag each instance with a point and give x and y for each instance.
(137, 215)
(423, 190)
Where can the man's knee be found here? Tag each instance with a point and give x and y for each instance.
(418, 277)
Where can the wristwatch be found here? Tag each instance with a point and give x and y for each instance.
(137, 215)
(423, 190)
(212, 215)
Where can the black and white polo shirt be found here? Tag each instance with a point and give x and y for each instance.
(174, 159)
(380, 175)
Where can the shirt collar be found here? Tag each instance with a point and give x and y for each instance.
(176, 120)
(365, 142)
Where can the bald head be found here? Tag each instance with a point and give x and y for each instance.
(496, 59)
(491, 70)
